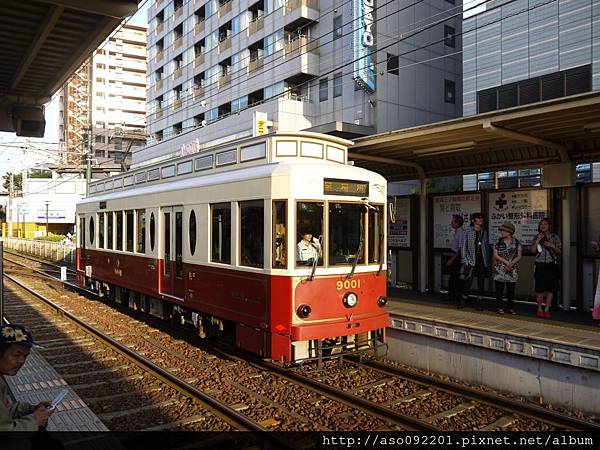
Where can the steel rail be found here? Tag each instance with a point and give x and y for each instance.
(514, 406)
(222, 410)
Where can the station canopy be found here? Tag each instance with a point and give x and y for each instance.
(555, 131)
(42, 43)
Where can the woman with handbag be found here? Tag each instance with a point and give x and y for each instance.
(475, 256)
(596, 307)
(507, 254)
(547, 250)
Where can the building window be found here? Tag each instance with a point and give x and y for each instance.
(337, 84)
(323, 90)
(221, 233)
(449, 91)
(449, 37)
(337, 27)
(252, 234)
(392, 64)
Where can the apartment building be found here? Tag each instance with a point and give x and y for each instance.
(345, 67)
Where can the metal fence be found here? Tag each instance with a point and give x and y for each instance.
(52, 251)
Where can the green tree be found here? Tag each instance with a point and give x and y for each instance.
(39, 173)
(17, 182)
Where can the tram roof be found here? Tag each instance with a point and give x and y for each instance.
(297, 167)
(554, 131)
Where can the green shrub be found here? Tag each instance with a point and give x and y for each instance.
(51, 237)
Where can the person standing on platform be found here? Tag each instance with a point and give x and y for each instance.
(596, 307)
(547, 250)
(475, 256)
(455, 284)
(15, 345)
(507, 254)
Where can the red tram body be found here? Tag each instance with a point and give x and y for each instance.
(218, 246)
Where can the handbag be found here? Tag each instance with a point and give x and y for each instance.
(466, 273)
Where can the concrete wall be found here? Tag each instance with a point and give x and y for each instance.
(557, 384)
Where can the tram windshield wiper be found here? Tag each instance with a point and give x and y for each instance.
(315, 262)
(355, 262)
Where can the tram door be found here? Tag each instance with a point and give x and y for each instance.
(172, 252)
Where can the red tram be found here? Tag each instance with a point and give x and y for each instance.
(274, 242)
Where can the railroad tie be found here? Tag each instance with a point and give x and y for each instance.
(502, 422)
(451, 412)
(409, 398)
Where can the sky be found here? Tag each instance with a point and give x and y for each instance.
(14, 158)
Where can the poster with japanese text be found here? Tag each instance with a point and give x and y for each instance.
(523, 209)
(399, 229)
(444, 207)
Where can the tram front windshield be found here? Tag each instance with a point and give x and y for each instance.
(346, 233)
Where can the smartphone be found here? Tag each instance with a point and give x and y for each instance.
(59, 398)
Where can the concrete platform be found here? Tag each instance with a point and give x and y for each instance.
(557, 361)
(37, 381)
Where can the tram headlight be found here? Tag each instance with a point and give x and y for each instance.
(350, 300)
(303, 311)
(382, 301)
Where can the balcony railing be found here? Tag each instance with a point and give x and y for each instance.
(225, 8)
(224, 44)
(256, 25)
(177, 73)
(199, 27)
(159, 56)
(198, 92)
(177, 104)
(159, 84)
(160, 27)
(158, 114)
(303, 45)
(199, 60)
(178, 12)
(177, 43)
(255, 64)
(224, 80)
(295, 4)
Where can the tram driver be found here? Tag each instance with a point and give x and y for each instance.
(309, 248)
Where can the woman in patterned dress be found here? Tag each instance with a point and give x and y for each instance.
(507, 254)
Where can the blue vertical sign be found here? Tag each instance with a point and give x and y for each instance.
(364, 40)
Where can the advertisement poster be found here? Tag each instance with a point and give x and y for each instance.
(444, 207)
(399, 231)
(523, 209)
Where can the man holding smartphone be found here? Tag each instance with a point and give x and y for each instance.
(15, 345)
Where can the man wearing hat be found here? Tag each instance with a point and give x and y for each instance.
(507, 254)
(15, 345)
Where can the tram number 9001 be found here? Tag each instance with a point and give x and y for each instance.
(347, 284)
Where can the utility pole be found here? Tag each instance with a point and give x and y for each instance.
(88, 161)
(47, 203)
(10, 196)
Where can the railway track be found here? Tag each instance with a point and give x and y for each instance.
(353, 395)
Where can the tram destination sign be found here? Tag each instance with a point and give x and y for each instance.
(334, 186)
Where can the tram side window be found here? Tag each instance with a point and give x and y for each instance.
(92, 234)
(221, 232)
(309, 229)
(129, 231)
(109, 230)
(252, 228)
(376, 234)
(193, 232)
(152, 231)
(346, 233)
(279, 235)
(119, 244)
(141, 230)
(101, 243)
(82, 238)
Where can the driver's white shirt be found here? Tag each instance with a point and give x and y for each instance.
(308, 250)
